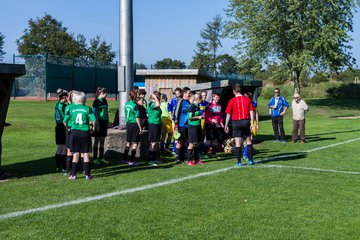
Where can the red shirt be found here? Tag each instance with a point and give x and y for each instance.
(239, 108)
(213, 111)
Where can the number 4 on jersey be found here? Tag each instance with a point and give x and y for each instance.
(79, 119)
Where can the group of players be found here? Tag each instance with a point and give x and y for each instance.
(188, 121)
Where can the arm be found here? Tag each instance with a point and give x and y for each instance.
(139, 124)
(227, 122)
(156, 100)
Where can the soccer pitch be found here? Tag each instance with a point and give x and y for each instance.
(295, 191)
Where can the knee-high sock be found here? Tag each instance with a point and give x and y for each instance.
(132, 157)
(74, 169)
(58, 161)
(238, 154)
(196, 153)
(189, 154)
(101, 153)
(68, 163)
(246, 147)
(86, 167)
(250, 151)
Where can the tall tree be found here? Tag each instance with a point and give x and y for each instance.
(168, 63)
(302, 34)
(47, 35)
(139, 66)
(100, 50)
(206, 54)
(227, 64)
(2, 53)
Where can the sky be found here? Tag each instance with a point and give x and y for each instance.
(162, 28)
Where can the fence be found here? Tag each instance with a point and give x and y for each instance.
(45, 74)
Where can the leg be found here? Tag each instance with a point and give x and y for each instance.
(95, 147)
(101, 147)
(282, 131)
(250, 150)
(86, 166)
(275, 128)
(302, 130)
(238, 143)
(294, 132)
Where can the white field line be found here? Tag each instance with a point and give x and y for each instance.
(164, 183)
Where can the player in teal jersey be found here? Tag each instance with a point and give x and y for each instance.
(194, 118)
(133, 128)
(82, 119)
(100, 108)
(69, 155)
(154, 113)
(60, 131)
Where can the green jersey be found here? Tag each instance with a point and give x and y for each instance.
(59, 112)
(100, 108)
(80, 116)
(67, 109)
(165, 110)
(154, 113)
(194, 110)
(131, 112)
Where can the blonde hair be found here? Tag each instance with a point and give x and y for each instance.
(196, 98)
(78, 97)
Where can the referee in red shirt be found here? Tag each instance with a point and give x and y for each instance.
(241, 111)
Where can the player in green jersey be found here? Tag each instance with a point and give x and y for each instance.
(133, 128)
(82, 119)
(194, 132)
(69, 155)
(154, 113)
(100, 108)
(60, 131)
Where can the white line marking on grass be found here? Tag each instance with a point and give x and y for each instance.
(168, 182)
(112, 194)
(311, 169)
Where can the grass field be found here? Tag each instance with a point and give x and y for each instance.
(296, 191)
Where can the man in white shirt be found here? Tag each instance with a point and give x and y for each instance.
(299, 108)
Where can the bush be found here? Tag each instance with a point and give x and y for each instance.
(345, 91)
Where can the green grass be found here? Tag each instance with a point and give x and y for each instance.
(245, 203)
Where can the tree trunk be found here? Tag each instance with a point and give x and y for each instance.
(296, 75)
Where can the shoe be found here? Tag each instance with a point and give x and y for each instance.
(251, 162)
(72, 177)
(302, 142)
(292, 141)
(276, 140)
(190, 163)
(246, 158)
(63, 171)
(133, 163)
(283, 141)
(238, 164)
(88, 177)
(199, 162)
(152, 163)
(158, 162)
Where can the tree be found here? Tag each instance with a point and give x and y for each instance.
(46, 35)
(206, 54)
(139, 66)
(300, 34)
(227, 64)
(100, 50)
(168, 63)
(2, 53)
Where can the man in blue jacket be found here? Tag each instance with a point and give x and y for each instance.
(277, 109)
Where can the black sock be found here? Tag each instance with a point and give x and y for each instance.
(151, 156)
(86, 167)
(238, 154)
(73, 169)
(189, 154)
(63, 162)
(177, 151)
(126, 153)
(95, 152)
(68, 163)
(132, 157)
(214, 149)
(58, 161)
(196, 153)
(101, 153)
(250, 151)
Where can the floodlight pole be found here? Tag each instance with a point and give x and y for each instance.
(126, 63)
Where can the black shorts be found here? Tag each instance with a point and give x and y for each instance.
(154, 132)
(101, 130)
(132, 133)
(184, 133)
(195, 134)
(60, 134)
(213, 132)
(241, 128)
(80, 142)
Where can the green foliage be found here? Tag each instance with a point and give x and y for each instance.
(345, 91)
(168, 63)
(47, 35)
(227, 64)
(139, 66)
(2, 53)
(206, 57)
(301, 34)
(100, 50)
